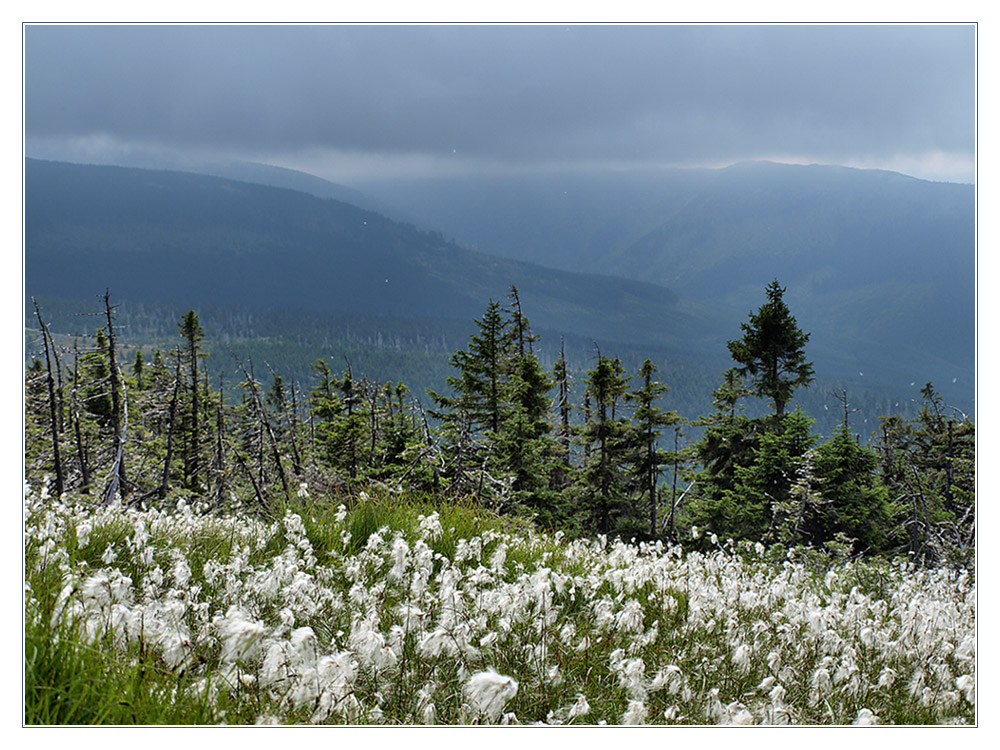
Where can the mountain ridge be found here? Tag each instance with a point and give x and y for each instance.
(183, 236)
(199, 240)
(869, 257)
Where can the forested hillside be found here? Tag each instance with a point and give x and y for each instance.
(306, 270)
(879, 266)
(417, 351)
(335, 347)
(590, 454)
(197, 240)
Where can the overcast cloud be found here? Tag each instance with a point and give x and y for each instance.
(351, 102)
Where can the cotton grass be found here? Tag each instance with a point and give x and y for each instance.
(456, 619)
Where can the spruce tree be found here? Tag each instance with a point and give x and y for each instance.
(138, 368)
(606, 436)
(648, 422)
(95, 391)
(471, 416)
(482, 370)
(772, 351)
(856, 503)
(192, 333)
(523, 444)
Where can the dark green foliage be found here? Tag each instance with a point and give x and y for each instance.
(523, 444)
(509, 436)
(771, 352)
(730, 438)
(496, 426)
(483, 370)
(649, 419)
(745, 490)
(606, 439)
(928, 466)
(752, 484)
(138, 370)
(856, 503)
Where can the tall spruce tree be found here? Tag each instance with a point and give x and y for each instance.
(606, 436)
(649, 420)
(471, 416)
(523, 444)
(772, 351)
(191, 331)
(750, 466)
(482, 370)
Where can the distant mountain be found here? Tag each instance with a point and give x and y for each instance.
(880, 267)
(199, 240)
(291, 179)
(311, 266)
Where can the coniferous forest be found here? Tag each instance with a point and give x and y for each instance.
(589, 455)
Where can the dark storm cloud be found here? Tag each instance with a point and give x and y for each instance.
(510, 94)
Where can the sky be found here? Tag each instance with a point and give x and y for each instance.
(354, 103)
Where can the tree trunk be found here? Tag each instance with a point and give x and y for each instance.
(171, 417)
(293, 428)
(220, 456)
(120, 481)
(53, 407)
(266, 425)
(74, 408)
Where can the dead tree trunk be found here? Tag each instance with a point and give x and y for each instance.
(78, 431)
(53, 415)
(293, 429)
(266, 425)
(220, 455)
(171, 417)
(119, 482)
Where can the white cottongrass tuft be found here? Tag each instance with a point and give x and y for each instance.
(966, 685)
(83, 533)
(741, 658)
(866, 718)
(635, 713)
(821, 682)
(489, 691)
(241, 635)
(580, 708)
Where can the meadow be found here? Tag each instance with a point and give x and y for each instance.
(386, 609)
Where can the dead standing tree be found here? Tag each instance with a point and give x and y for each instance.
(265, 423)
(117, 483)
(53, 407)
(77, 429)
(171, 419)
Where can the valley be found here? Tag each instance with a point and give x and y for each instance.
(306, 269)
